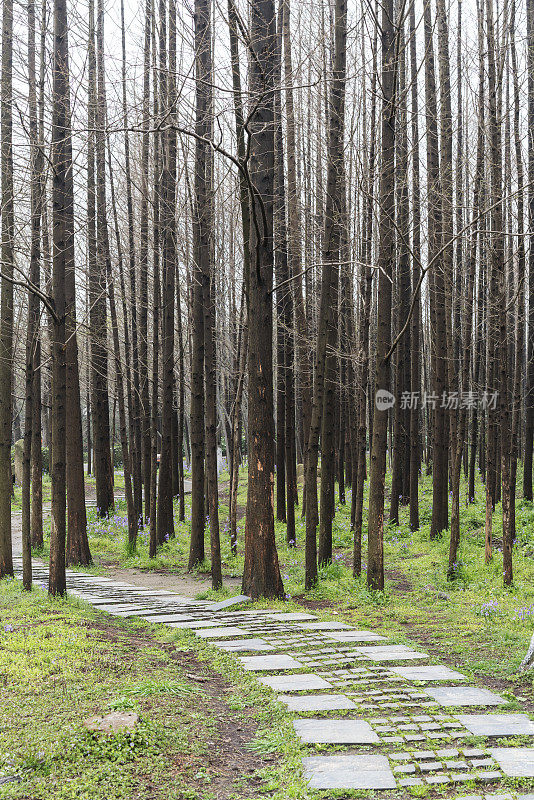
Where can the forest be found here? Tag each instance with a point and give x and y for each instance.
(266, 326)
(299, 236)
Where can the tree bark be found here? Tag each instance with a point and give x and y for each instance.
(261, 575)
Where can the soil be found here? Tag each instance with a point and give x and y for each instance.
(228, 758)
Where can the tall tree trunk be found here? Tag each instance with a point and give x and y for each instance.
(529, 395)
(165, 520)
(6, 302)
(135, 417)
(144, 384)
(386, 255)
(98, 310)
(261, 576)
(63, 259)
(415, 344)
(440, 488)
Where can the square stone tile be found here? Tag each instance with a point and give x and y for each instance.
(335, 731)
(433, 673)
(305, 682)
(348, 772)
(394, 652)
(497, 724)
(355, 636)
(260, 663)
(316, 702)
(220, 633)
(517, 762)
(464, 696)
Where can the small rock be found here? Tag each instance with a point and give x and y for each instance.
(111, 723)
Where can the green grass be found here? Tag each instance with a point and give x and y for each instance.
(485, 626)
(61, 662)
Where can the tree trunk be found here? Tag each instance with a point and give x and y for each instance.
(6, 302)
(261, 576)
(386, 255)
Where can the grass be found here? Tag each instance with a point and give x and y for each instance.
(61, 662)
(472, 619)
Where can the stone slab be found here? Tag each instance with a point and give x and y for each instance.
(297, 616)
(229, 602)
(197, 624)
(498, 725)
(517, 762)
(324, 626)
(261, 663)
(316, 702)
(220, 632)
(305, 682)
(464, 696)
(348, 772)
(243, 644)
(335, 731)
(433, 673)
(166, 617)
(356, 636)
(395, 652)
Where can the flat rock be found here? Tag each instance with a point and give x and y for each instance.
(335, 731)
(220, 633)
(433, 673)
(498, 724)
(260, 663)
(296, 616)
(113, 722)
(324, 626)
(243, 644)
(348, 772)
(195, 625)
(464, 696)
(394, 652)
(166, 617)
(517, 762)
(305, 682)
(229, 602)
(356, 636)
(316, 702)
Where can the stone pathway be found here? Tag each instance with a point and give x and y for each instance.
(396, 720)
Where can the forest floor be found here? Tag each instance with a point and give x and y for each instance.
(62, 663)
(470, 624)
(472, 620)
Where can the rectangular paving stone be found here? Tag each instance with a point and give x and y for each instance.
(434, 673)
(260, 663)
(348, 772)
(235, 645)
(316, 702)
(355, 636)
(497, 724)
(305, 682)
(219, 632)
(324, 626)
(296, 616)
(517, 762)
(229, 602)
(165, 617)
(395, 652)
(464, 696)
(335, 731)
(198, 624)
